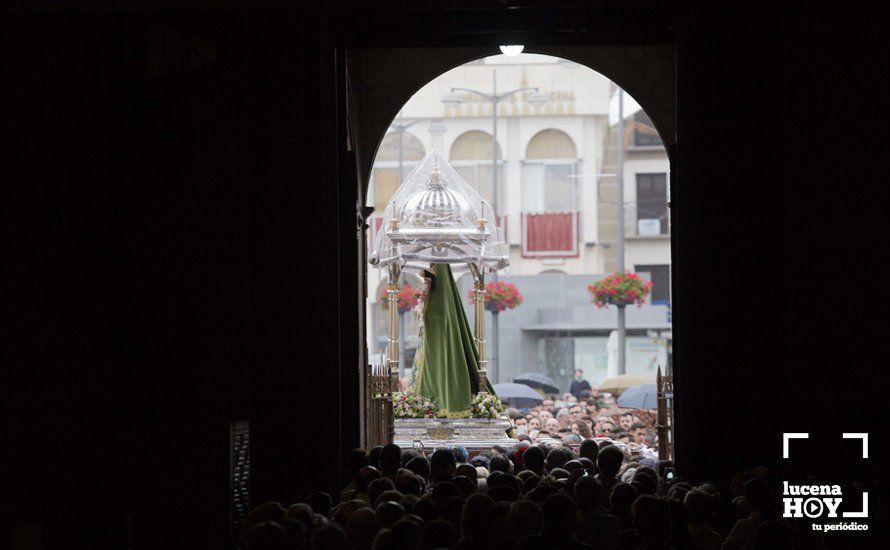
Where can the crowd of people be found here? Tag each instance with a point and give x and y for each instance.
(533, 496)
(585, 414)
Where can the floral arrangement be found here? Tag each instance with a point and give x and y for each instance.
(412, 405)
(499, 296)
(408, 298)
(486, 405)
(620, 289)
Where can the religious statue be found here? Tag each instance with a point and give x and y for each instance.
(447, 360)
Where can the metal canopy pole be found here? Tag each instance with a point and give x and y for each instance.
(479, 303)
(393, 347)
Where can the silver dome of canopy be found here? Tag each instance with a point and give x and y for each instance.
(436, 217)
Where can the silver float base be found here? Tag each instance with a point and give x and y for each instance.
(476, 434)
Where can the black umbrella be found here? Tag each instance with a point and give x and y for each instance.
(518, 395)
(537, 380)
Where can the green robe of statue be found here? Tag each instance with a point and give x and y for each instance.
(447, 360)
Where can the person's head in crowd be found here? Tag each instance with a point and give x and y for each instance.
(559, 518)
(579, 374)
(559, 473)
(534, 424)
(356, 459)
(409, 484)
(465, 485)
(589, 449)
(481, 473)
(759, 497)
(420, 466)
(268, 511)
(563, 418)
(266, 535)
(365, 476)
(557, 457)
(571, 439)
(481, 460)
(391, 495)
(552, 425)
(499, 450)
(677, 491)
(295, 533)
(442, 465)
(521, 425)
(361, 528)
(544, 434)
(625, 421)
(544, 417)
(623, 437)
(541, 492)
(494, 519)
(547, 405)
(444, 490)
(580, 428)
(647, 480)
(623, 497)
(408, 502)
(328, 537)
(451, 510)
(588, 493)
(301, 512)
(569, 398)
(340, 514)
(573, 465)
(524, 519)
(652, 519)
(461, 454)
(607, 427)
(388, 512)
(574, 413)
(587, 464)
(499, 464)
(472, 527)
(609, 461)
(374, 456)
(466, 470)
(529, 480)
(438, 534)
(638, 431)
(426, 509)
(378, 487)
(533, 459)
(700, 506)
(390, 459)
(320, 502)
(408, 455)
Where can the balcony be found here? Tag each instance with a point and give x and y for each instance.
(550, 235)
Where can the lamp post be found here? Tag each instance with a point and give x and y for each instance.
(399, 128)
(622, 365)
(453, 99)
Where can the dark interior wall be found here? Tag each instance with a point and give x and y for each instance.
(182, 247)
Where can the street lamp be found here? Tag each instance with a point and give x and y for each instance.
(453, 99)
(399, 128)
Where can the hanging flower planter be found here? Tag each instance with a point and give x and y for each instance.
(499, 296)
(620, 289)
(408, 299)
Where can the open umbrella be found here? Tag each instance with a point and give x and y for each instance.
(639, 397)
(537, 380)
(518, 395)
(618, 384)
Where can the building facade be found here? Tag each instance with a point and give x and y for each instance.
(556, 201)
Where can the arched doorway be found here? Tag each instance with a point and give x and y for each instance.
(555, 165)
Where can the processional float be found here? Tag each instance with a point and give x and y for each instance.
(434, 217)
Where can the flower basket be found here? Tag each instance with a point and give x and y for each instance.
(408, 299)
(486, 405)
(412, 405)
(499, 296)
(620, 289)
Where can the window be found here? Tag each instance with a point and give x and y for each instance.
(645, 134)
(471, 157)
(652, 204)
(551, 158)
(385, 174)
(660, 275)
